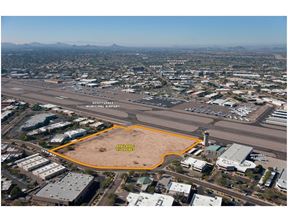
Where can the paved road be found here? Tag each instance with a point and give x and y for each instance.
(111, 190)
(28, 144)
(229, 192)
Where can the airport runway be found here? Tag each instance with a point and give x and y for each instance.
(272, 140)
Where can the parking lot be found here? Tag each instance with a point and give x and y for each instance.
(240, 112)
(159, 101)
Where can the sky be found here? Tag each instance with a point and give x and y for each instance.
(146, 31)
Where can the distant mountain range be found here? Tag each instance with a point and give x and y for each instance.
(10, 45)
(60, 45)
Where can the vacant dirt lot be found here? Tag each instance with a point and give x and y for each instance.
(149, 147)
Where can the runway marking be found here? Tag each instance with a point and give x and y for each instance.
(197, 141)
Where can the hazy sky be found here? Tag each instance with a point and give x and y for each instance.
(146, 31)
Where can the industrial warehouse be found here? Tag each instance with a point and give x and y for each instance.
(58, 194)
(40, 167)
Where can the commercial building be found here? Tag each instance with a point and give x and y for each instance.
(37, 121)
(146, 199)
(164, 183)
(213, 96)
(72, 134)
(48, 106)
(26, 158)
(278, 117)
(49, 171)
(33, 163)
(80, 119)
(144, 182)
(54, 81)
(267, 178)
(281, 183)
(213, 151)
(247, 75)
(40, 166)
(6, 114)
(180, 189)
(201, 200)
(70, 190)
(86, 122)
(6, 184)
(198, 165)
(96, 125)
(49, 128)
(59, 138)
(234, 158)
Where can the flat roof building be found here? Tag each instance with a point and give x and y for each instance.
(281, 183)
(55, 171)
(35, 164)
(96, 125)
(146, 199)
(180, 188)
(5, 184)
(195, 164)
(67, 191)
(32, 162)
(29, 161)
(201, 200)
(37, 121)
(164, 183)
(44, 168)
(49, 171)
(86, 122)
(59, 138)
(72, 134)
(235, 158)
(6, 114)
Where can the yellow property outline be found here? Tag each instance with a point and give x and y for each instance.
(197, 141)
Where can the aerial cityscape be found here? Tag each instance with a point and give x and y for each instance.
(164, 111)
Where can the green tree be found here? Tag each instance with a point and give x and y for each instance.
(179, 169)
(43, 144)
(112, 198)
(23, 137)
(36, 107)
(16, 192)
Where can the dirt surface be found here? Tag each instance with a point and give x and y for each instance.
(149, 148)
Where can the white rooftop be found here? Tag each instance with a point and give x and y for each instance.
(201, 200)
(237, 153)
(72, 133)
(67, 189)
(282, 180)
(180, 187)
(194, 162)
(146, 199)
(235, 156)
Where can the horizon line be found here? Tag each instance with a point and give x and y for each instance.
(148, 46)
